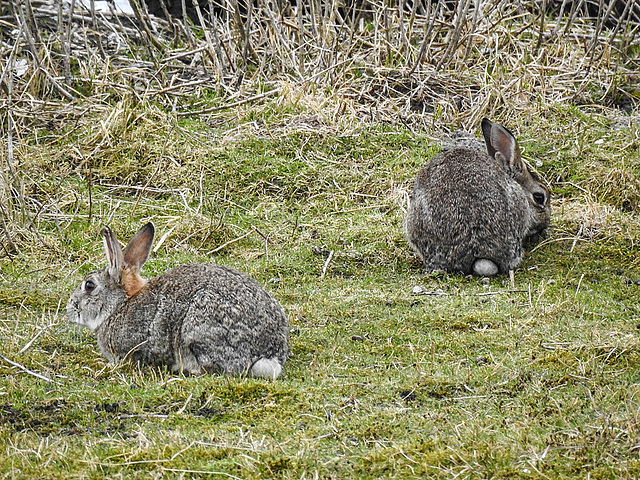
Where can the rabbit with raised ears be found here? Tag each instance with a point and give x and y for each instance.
(195, 318)
(470, 211)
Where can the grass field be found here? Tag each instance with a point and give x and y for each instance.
(393, 373)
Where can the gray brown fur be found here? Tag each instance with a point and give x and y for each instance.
(196, 318)
(470, 209)
(463, 139)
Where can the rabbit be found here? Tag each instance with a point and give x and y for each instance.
(195, 318)
(470, 211)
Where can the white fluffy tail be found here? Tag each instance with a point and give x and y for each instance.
(268, 368)
(484, 267)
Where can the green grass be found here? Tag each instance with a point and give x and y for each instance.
(480, 381)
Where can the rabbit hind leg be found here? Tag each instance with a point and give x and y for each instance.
(193, 360)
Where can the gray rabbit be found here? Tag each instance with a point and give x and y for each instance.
(195, 318)
(470, 211)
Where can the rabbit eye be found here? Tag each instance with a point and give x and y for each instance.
(538, 198)
(89, 285)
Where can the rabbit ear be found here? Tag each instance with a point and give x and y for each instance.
(137, 251)
(135, 256)
(114, 253)
(503, 146)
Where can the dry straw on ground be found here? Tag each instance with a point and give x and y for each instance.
(425, 60)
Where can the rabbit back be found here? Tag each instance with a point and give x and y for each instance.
(465, 208)
(199, 318)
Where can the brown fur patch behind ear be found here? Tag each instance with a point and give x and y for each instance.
(131, 281)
